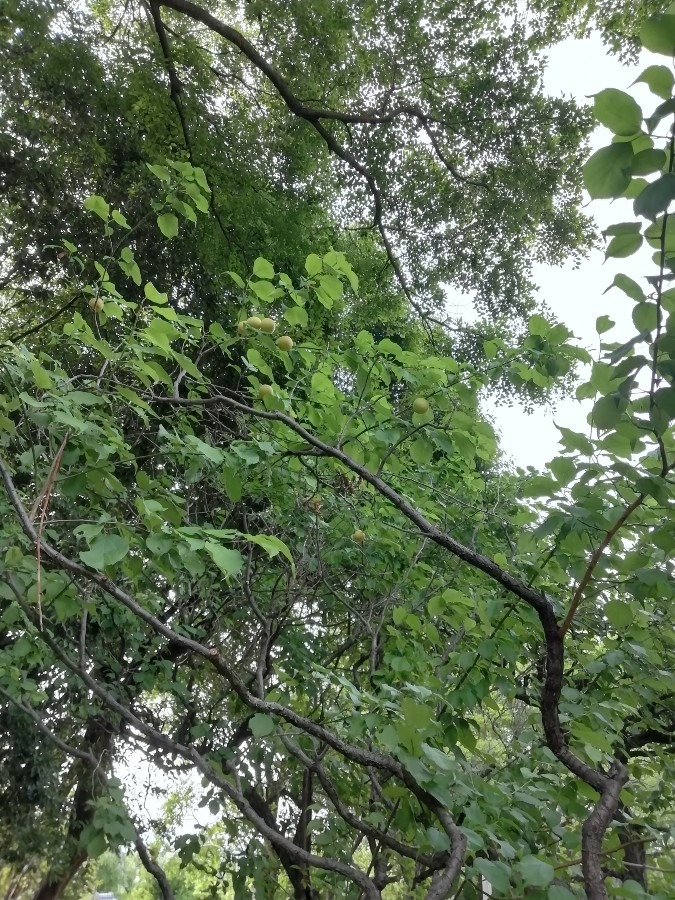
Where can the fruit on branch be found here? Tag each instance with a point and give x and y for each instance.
(285, 343)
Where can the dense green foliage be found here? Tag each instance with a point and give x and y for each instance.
(253, 525)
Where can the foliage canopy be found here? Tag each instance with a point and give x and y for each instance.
(255, 541)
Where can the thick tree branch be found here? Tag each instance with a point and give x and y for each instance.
(593, 832)
(354, 821)
(534, 598)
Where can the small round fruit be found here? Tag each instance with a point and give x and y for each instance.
(267, 325)
(95, 304)
(265, 390)
(285, 343)
(420, 405)
(359, 536)
(254, 321)
(241, 328)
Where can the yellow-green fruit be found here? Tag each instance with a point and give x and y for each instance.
(285, 343)
(96, 304)
(254, 321)
(265, 390)
(359, 536)
(267, 325)
(241, 328)
(420, 405)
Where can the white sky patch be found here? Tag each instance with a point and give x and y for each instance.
(579, 68)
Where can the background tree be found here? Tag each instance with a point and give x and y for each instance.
(294, 566)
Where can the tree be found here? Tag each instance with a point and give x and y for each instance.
(395, 671)
(410, 149)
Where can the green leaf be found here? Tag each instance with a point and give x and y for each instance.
(261, 725)
(648, 161)
(206, 450)
(573, 440)
(168, 224)
(656, 197)
(332, 286)
(120, 220)
(160, 172)
(440, 759)
(232, 484)
(564, 468)
(296, 315)
(236, 278)
(313, 264)
(535, 871)
(661, 111)
(654, 233)
(497, 873)
(645, 317)
(608, 410)
(603, 324)
(628, 286)
(264, 290)
(421, 451)
(623, 245)
(105, 550)
(96, 845)
(539, 486)
(659, 80)
(262, 268)
(199, 200)
(255, 358)
(618, 111)
(619, 613)
(607, 172)
(98, 206)
(538, 325)
(558, 892)
(200, 178)
(436, 605)
(399, 615)
(416, 715)
(228, 561)
(271, 544)
(635, 188)
(658, 34)
(153, 295)
(41, 376)
(66, 606)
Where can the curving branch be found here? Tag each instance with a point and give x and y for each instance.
(316, 116)
(556, 739)
(157, 739)
(154, 737)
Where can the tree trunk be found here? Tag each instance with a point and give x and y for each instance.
(54, 884)
(98, 738)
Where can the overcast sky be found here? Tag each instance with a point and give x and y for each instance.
(579, 69)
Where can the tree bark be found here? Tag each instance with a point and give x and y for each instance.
(98, 738)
